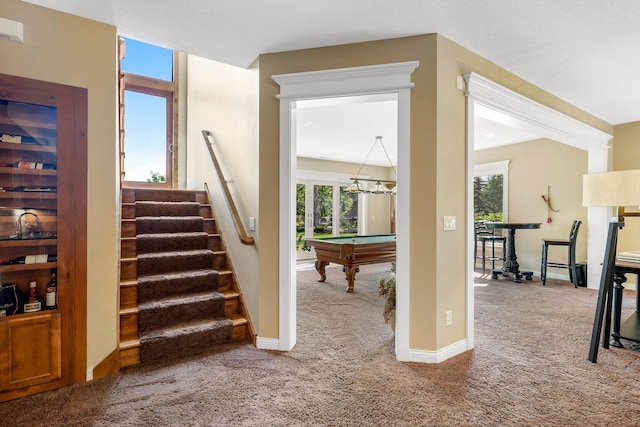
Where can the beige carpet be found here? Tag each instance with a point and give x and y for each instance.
(529, 368)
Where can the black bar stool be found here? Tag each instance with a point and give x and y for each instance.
(485, 235)
(577, 274)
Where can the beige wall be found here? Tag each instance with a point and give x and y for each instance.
(79, 52)
(378, 217)
(387, 51)
(437, 175)
(533, 166)
(223, 99)
(61, 48)
(455, 60)
(626, 155)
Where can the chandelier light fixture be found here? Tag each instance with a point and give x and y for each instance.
(379, 187)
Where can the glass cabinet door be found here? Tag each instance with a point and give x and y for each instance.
(28, 203)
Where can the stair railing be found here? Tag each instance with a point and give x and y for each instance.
(242, 234)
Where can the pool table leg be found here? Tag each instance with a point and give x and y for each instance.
(320, 268)
(350, 272)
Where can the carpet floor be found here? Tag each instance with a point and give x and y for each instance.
(529, 368)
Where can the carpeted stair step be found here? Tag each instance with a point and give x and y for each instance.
(165, 195)
(167, 262)
(163, 285)
(147, 208)
(177, 307)
(170, 242)
(169, 224)
(166, 312)
(185, 339)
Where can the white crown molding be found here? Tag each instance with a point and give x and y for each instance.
(345, 81)
(533, 116)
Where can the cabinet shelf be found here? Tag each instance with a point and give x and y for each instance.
(28, 148)
(26, 315)
(26, 171)
(28, 243)
(24, 267)
(26, 123)
(28, 195)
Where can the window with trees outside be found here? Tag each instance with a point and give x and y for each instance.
(490, 191)
(487, 198)
(319, 207)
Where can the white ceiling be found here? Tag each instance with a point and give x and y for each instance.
(583, 51)
(344, 129)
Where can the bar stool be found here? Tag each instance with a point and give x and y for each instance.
(483, 235)
(570, 244)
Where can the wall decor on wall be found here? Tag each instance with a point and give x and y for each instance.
(547, 200)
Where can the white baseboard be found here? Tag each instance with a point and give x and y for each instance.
(437, 356)
(268, 343)
(420, 356)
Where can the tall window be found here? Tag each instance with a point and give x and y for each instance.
(319, 207)
(487, 197)
(348, 212)
(491, 191)
(147, 127)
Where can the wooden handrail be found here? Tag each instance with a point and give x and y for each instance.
(242, 234)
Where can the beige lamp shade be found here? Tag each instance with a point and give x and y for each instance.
(618, 188)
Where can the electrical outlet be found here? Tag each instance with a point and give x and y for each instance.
(448, 318)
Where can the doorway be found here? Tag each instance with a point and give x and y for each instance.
(515, 110)
(380, 79)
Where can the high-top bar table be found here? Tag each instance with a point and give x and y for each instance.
(510, 265)
(630, 329)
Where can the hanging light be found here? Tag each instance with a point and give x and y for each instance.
(356, 187)
(379, 187)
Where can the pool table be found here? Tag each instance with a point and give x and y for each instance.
(352, 252)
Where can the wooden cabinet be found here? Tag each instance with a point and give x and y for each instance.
(43, 220)
(34, 360)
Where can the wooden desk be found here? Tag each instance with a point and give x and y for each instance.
(511, 265)
(630, 329)
(352, 252)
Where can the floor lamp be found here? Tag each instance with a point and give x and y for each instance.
(611, 189)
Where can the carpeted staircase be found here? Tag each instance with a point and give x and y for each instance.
(179, 308)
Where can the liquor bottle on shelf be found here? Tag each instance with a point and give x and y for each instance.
(34, 259)
(52, 292)
(34, 301)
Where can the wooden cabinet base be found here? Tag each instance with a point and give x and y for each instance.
(30, 348)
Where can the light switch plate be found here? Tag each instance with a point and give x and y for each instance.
(449, 223)
(252, 224)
